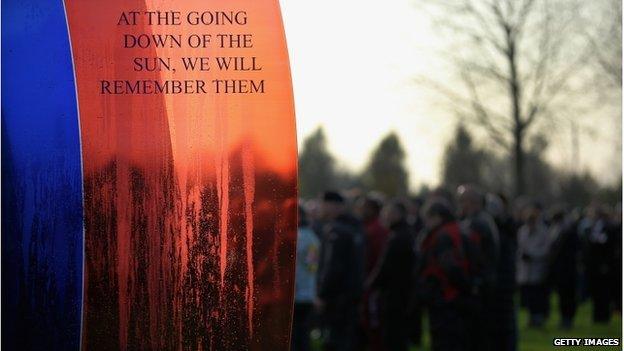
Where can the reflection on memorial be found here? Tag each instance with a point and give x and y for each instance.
(42, 218)
(189, 199)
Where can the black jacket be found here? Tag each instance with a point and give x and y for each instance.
(393, 274)
(484, 236)
(341, 265)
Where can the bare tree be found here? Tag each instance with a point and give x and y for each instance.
(519, 61)
(605, 38)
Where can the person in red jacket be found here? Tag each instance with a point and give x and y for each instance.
(443, 273)
(376, 235)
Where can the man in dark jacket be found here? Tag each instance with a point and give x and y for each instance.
(504, 335)
(443, 276)
(341, 273)
(393, 277)
(599, 238)
(414, 218)
(483, 234)
(563, 264)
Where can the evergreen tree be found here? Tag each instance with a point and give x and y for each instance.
(386, 171)
(316, 166)
(463, 163)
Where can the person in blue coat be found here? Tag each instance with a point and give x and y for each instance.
(308, 247)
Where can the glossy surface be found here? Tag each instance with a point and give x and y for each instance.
(190, 199)
(42, 219)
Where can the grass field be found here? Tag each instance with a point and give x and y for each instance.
(530, 339)
(541, 339)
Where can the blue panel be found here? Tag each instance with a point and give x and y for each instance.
(42, 218)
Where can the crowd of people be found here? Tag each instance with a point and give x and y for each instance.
(369, 269)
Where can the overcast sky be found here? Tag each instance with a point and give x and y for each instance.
(354, 65)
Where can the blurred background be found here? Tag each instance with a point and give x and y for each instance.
(397, 100)
(422, 73)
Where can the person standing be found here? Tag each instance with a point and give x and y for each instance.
(308, 247)
(484, 237)
(369, 209)
(616, 257)
(414, 217)
(444, 281)
(599, 249)
(504, 333)
(393, 278)
(415, 220)
(340, 275)
(534, 244)
(563, 269)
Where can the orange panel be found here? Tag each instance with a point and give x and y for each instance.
(190, 199)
